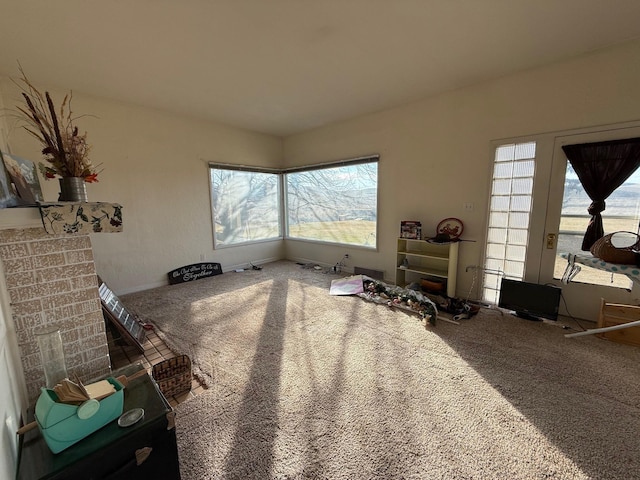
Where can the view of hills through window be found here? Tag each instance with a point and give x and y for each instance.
(622, 214)
(336, 204)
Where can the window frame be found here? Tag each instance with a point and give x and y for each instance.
(243, 168)
(283, 216)
(495, 263)
(590, 275)
(325, 166)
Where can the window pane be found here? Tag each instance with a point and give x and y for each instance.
(494, 265)
(503, 170)
(495, 250)
(502, 187)
(525, 150)
(622, 214)
(500, 203)
(517, 252)
(520, 203)
(492, 281)
(518, 237)
(335, 204)
(498, 219)
(519, 220)
(514, 269)
(246, 206)
(524, 169)
(505, 153)
(497, 235)
(522, 185)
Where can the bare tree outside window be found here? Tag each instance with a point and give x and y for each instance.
(246, 206)
(334, 204)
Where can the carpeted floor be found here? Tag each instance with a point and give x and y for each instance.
(308, 385)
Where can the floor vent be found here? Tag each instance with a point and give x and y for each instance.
(369, 272)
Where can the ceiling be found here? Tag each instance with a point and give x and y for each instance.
(285, 66)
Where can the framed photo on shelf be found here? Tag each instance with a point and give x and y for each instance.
(411, 229)
(19, 183)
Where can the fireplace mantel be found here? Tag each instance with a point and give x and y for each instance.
(65, 217)
(20, 217)
(84, 217)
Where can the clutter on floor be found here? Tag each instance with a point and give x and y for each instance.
(424, 298)
(390, 295)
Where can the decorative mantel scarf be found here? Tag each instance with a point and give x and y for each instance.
(82, 217)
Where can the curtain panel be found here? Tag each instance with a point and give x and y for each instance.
(602, 167)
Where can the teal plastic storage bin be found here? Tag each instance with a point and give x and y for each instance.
(62, 424)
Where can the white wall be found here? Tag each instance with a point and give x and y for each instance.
(155, 167)
(13, 394)
(436, 155)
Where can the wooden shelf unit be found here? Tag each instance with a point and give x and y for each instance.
(419, 258)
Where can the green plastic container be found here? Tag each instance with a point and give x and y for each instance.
(62, 424)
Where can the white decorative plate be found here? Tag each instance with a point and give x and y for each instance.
(130, 417)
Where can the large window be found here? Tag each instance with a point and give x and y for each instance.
(336, 204)
(509, 212)
(246, 205)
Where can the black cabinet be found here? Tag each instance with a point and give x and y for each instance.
(146, 449)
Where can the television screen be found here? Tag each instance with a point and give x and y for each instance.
(530, 300)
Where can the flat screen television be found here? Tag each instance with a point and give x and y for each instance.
(530, 300)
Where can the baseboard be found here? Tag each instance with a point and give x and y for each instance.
(321, 264)
(225, 268)
(247, 265)
(140, 288)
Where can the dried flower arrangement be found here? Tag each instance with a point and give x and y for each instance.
(65, 150)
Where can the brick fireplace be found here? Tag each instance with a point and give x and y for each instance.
(52, 282)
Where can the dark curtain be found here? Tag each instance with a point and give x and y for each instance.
(602, 167)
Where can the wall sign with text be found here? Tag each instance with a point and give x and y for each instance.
(196, 271)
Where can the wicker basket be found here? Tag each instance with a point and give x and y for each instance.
(173, 376)
(605, 250)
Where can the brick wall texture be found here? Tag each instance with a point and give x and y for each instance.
(52, 282)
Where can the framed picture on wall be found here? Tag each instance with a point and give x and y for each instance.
(19, 183)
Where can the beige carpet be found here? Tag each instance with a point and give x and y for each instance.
(308, 385)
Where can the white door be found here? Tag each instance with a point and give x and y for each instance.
(581, 299)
